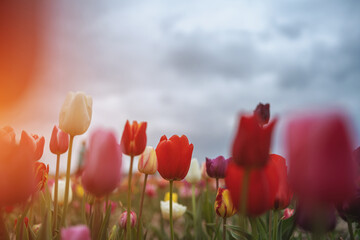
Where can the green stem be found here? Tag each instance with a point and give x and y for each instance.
(67, 183)
(270, 227)
(171, 215)
(128, 224)
(351, 232)
(254, 229)
(56, 192)
(276, 221)
(194, 208)
(224, 228)
(244, 192)
(141, 206)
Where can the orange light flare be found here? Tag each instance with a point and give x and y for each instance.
(21, 34)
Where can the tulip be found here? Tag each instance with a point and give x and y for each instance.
(262, 188)
(59, 141)
(223, 204)
(174, 157)
(174, 197)
(284, 193)
(75, 113)
(262, 113)
(35, 142)
(177, 210)
(321, 167)
(150, 190)
(17, 177)
(123, 220)
(102, 168)
(194, 174)
(148, 161)
(251, 145)
(80, 232)
(288, 213)
(133, 140)
(41, 174)
(215, 168)
(61, 193)
(224, 207)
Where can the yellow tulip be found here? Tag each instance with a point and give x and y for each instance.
(148, 161)
(174, 197)
(223, 204)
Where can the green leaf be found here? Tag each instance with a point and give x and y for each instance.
(105, 224)
(237, 232)
(45, 229)
(286, 228)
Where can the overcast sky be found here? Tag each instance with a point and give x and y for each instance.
(190, 67)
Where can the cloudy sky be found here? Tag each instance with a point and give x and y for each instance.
(190, 67)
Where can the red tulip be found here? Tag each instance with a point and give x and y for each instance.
(284, 193)
(102, 168)
(17, 180)
(133, 140)
(262, 187)
(35, 142)
(319, 150)
(251, 145)
(174, 157)
(59, 142)
(41, 175)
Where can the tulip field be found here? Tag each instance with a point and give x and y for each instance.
(253, 193)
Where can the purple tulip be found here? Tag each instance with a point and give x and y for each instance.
(262, 112)
(216, 168)
(80, 232)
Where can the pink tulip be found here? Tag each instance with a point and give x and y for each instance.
(80, 232)
(321, 167)
(123, 218)
(59, 141)
(102, 168)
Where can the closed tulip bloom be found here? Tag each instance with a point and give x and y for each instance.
(41, 174)
(35, 142)
(321, 167)
(194, 174)
(17, 177)
(174, 157)
(102, 168)
(262, 113)
(174, 197)
(148, 161)
(262, 187)
(288, 213)
(223, 204)
(216, 167)
(61, 192)
(133, 140)
(251, 145)
(178, 210)
(284, 193)
(75, 114)
(123, 219)
(80, 232)
(59, 142)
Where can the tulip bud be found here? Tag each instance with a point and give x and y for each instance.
(59, 141)
(26, 222)
(102, 170)
(288, 212)
(75, 113)
(79, 190)
(123, 219)
(133, 140)
(194, 174)
(223, 205)
(177, 210)
(216, 167)
(174, 197)
(61, 192)
(41, 175)
(75, 233)
(148, 161)
(262, 112)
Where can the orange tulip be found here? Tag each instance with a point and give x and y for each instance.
(133, 140)
(35, 142)
(41, 174)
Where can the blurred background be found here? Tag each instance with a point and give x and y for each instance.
(184, 67)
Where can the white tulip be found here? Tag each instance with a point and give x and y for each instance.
(194, 173)
(177, 209)
(75, 114)
(61, 192)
